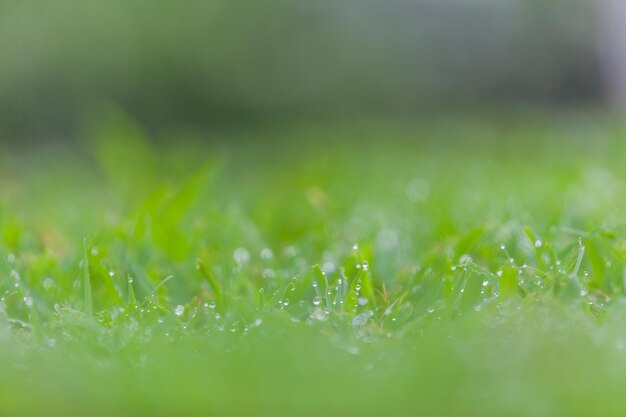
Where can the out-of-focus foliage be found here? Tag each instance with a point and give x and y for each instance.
(236, 60)
(317, 270)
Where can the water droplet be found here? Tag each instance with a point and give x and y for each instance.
(268, 273)
(179, 310)
(430, 310)
(286, 302)
(362, 301)
(362, 318)
(94, 251)
(314, 284)
(319, 315)
(28, 301)
(241, 255)
(538, 243)
(206, 305)
(355, 246)
(358, 266)
(290, 251)
(267, 253)
(485, 283)
(111, 273)
(499, 273)
(212, 304)
(502, 247)
(317, 300)
(453, 267)
(261, 290)
(48, 283)
(365, 265)
(586, 273)
(130, 280)
(464, 259)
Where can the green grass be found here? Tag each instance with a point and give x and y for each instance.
(472, 268)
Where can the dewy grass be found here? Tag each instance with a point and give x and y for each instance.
(422, 271)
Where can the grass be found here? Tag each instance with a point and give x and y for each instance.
(473, 268)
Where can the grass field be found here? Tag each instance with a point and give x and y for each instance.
(441, 268)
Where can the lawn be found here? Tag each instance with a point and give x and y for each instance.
(451, 267)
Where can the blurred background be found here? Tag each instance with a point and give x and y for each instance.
(206, 63)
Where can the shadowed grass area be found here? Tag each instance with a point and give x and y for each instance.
(375, 269)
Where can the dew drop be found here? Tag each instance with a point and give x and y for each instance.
(241, 255)
(365, 265)
(355, 246)
(179, 310)
(362, 318)
(317, 300)
(48, 283)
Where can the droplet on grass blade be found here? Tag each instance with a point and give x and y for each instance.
(179, 310)
(241, 255)
(362, 318)
(28, 301)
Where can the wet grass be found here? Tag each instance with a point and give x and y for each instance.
(473, 269)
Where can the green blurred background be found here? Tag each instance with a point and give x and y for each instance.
(233, 62)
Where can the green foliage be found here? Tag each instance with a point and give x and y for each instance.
(283, 277)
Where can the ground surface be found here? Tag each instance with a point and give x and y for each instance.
(466, 268)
